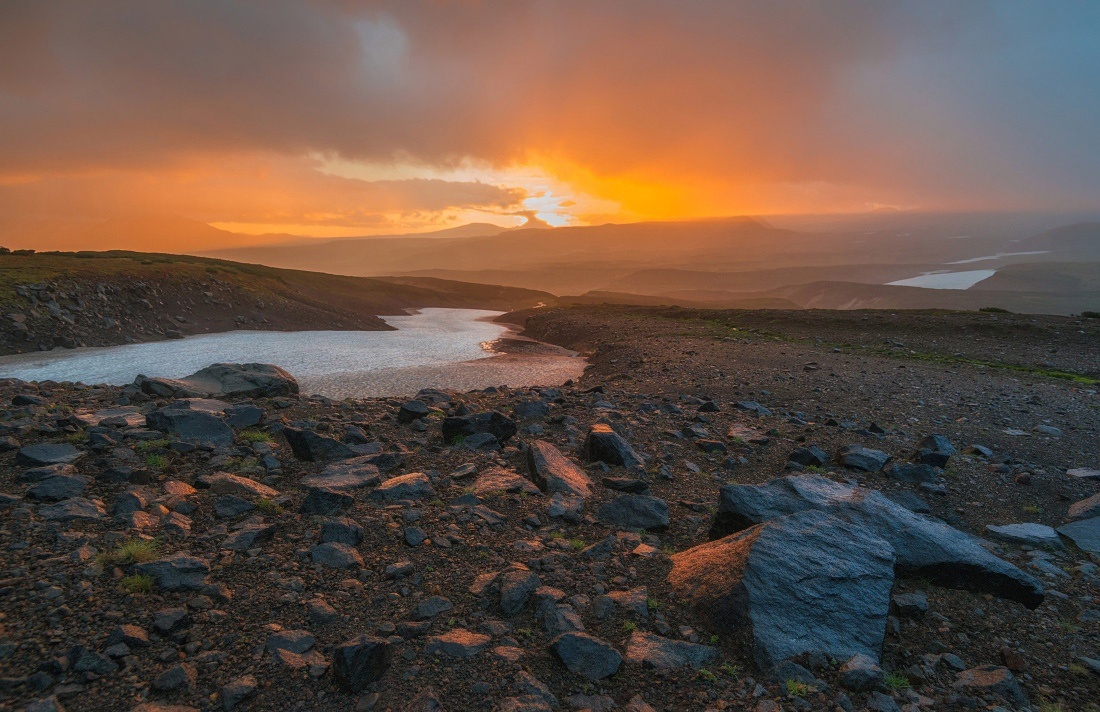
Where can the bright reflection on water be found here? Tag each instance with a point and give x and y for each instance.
(441, 348)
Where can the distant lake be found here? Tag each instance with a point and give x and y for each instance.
(437, 348)
(946, 280)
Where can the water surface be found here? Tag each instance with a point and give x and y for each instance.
(440, 348)
(946, 280)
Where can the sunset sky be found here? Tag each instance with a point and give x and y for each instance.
(338, 117)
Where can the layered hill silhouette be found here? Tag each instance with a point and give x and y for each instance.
(835, 262)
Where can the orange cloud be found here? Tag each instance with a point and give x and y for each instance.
(633, 108)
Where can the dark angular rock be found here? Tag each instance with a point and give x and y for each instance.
(861, 673)
(58, 487)
(230, 505)
(177, 572)
(858, 457)
(413, 486)
(494, 423)
(244, 415)
(131, 635)
(653, 651)
(72, 509)
(198, 427)
(360, 662)
(432, 607)
(586, 655)
(554, 473)
(925, 548)
(47, 454)
(992, 680)
(175, 677)
(602, 444)
(237, 691)
(336, 555)
(252, 380)
(294, 641)
(312, 447)
(625, 484)
(526, 410)
(342, 531)
(249, 536)
(635, 511)
(458, 643)
(326, 501)
(412, 410)
(810, 457)
(911, 472)
(517, 583)
(773, 578)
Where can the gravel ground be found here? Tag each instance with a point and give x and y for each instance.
(826, 378)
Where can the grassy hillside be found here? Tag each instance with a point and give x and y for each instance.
(100, 298)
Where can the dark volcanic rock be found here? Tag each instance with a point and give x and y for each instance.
(858, 457)
(773, 579)
(605, 445)
(58, 487)
(585, 655)
(47, 454)
(178, 572)
(494, 423)
(635, 511)
(342, 531)
(993, 680)
(809, 457)
(935, 450)
(326, 501)
(412, 410)
(555, 473)
(654, 651)
(199, 427)
(414, 485)
(311, 447)
(924, 547)
(912, 473)
(251, 380)
(361, 661)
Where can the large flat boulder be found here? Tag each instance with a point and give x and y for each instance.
(554, 473)
(251, 380)
(925, 547)
(44, 454)
(800, 583)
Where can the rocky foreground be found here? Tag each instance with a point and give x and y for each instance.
(703, 522)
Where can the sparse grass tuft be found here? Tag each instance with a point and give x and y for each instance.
(897, 681)
(147, 445)
(630, 626)
(269, 507)
(132, 551)
(156, 462)
(254, 435)
(137, 583)
(707, 675)
(796, 688)
(731, 670)
(652, 604)
(577, 544)
(76, 438)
